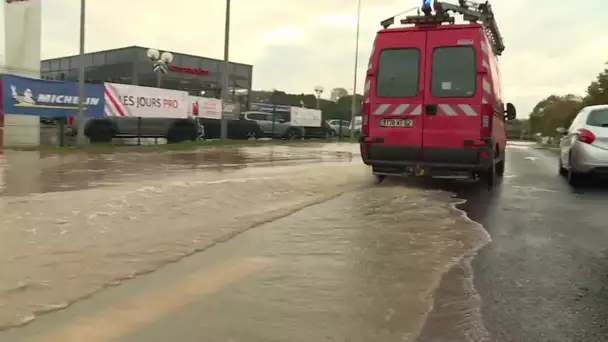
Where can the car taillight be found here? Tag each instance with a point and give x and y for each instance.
(70, 120)
(365, 110)
(586, 136)
(487, 116)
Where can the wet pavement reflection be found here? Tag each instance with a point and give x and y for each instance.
(23, 172)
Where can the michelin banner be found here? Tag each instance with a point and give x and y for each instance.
(26, 96)
(22, 32)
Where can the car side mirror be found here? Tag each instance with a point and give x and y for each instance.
(561, 130)
(510, 112)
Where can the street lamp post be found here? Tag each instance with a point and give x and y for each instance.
(353, 107)
(224, 80)
(319, 90)
(161, 64)
(80, 138)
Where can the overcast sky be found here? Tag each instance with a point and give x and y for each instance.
(295, 45)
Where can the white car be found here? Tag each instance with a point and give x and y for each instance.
(584, 146)
(339, 127)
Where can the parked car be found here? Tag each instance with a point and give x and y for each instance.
(274, 126)
(340, 127)
(584, 145)
(322, 132)
(237, 129)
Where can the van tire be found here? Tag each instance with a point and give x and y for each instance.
(500, 168)
(100, 133)
(379, 178)
(181, 132)
(490, 176)
(293, 134)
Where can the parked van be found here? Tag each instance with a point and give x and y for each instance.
(432, 102)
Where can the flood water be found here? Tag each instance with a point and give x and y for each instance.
(71, 225)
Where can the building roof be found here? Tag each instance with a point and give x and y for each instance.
(146, 48)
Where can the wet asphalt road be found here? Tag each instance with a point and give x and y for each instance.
(337, 272)
(544, 276)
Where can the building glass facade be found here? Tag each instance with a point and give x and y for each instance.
(131, 65)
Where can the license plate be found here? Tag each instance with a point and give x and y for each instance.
(398, 123)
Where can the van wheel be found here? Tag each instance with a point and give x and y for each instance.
(379, 178)
(489, 176)
(251, 136)
(293, 134)
(500, 168)
(100, 133)
(182, 132)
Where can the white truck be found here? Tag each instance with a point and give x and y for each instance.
(135, 111)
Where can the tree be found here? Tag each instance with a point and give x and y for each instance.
(339, 109)
(597, 92)
(553, 112)
(337, 93)
(559, 110)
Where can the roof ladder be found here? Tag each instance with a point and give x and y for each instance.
(475, 12)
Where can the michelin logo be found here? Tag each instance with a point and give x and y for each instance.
(46, 100)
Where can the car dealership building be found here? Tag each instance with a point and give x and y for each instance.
(130, 65)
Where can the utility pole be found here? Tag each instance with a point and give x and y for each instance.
(224, 81)
(353, 107)
(81, 139)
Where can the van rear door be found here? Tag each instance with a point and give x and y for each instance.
(453, 98)
(396, 95)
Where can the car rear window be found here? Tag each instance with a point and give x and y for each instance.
(398, 73)
(598, 118)
(453, 72)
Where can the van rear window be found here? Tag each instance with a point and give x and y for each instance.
(398, 73)
(598, 118)
(453, 72)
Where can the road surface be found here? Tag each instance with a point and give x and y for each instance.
(395, 262)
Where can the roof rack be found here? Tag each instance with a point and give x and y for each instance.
(471, 11)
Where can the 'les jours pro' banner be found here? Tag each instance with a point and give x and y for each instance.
(22, 31)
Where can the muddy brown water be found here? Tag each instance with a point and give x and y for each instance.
(74, 224)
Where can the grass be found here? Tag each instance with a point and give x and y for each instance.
(185, 146)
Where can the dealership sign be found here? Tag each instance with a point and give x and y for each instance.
(205, 107)
(135, 101)
(191, 71)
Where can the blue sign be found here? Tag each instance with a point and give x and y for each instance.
(270, 108)
(28, 96)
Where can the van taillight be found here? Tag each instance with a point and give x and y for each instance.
(70, 120)
(365, 110)
(487, 115)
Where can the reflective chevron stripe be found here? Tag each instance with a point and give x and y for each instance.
(387, 109)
